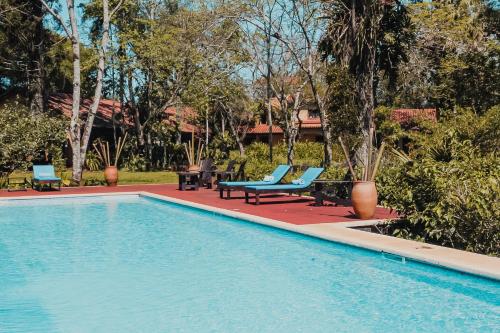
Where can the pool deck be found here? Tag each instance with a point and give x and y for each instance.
(289, 209)
(298, 214)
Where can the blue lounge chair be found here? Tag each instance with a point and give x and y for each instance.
(299, 186)
(277, 176)
(44, 174)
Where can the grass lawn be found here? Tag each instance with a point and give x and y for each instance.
(128, 177)
(125, 177)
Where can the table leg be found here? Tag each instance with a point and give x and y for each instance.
(318, 194)
(183, 183)
(196, 182)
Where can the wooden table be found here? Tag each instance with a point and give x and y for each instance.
(17, 184)
(189, 180)
(226, 176)
(320, 185)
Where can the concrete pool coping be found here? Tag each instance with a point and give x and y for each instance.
(458, 260)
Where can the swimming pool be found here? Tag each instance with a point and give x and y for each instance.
(134, 264)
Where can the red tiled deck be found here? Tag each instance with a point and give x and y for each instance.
(294, 209)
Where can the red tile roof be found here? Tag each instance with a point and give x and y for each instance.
(185, 112)
(403, 116)
(186, 115)
(264, 129)
(311, 123)
(63, 103)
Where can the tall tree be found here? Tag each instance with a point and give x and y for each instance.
(258, 21)
(301, 37)
(455, 56)
(351, 40)
(79, 144)
(294, 28)
(175, 54)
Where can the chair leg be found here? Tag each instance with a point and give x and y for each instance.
(246, 197)
(257, 198)
(229, 194)
(221, 193)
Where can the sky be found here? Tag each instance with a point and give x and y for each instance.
(62, 9)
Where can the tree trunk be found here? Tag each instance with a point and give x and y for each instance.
(234, 131)
(293, 130)
(290, 124)
(241, 147)
(364, 85)
(100, 75)
(269, 93)
(365, 94)
(325, 123)
(139, 129)
(206, 131)
(37, 91)
(75, 133)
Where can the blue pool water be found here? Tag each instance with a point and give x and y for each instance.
(131, 264)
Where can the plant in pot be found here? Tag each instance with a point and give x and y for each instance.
(193, 156)
(103, 153)
(364, 191)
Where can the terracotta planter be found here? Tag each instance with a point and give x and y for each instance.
(111, 175)
(193, 168)
(364, 199)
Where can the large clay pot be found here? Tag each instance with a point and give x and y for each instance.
(111, 175)
(364, 199)
(194, 168)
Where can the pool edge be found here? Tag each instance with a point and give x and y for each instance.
(457, 260)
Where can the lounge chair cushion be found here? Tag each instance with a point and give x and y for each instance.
(277, 175)
(254, 183)
(307, 177)
(45, 173)
(269, 178)
(47, 178)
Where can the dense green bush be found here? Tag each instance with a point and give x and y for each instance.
(26, 138)
(448, 194)
(135, 162)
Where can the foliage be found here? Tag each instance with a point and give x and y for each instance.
(386, 128)
(454, 60)
(92, 161)
(135, 162)
(341, 103)
(448, 193)
(26, 138)
(220, 147)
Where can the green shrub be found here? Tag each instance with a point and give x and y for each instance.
(135, 162)
(26, 138)
(448, 195)
(92, 161)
